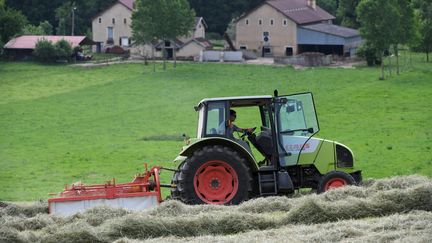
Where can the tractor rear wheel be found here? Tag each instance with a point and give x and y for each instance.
(213, 175)
(334, 179)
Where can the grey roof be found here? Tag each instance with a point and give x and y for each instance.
(333, 30)
(241, 100)
(299, 11)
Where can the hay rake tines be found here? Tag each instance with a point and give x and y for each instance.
(142, 193)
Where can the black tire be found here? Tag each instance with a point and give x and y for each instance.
(188, 178)
(336, 178)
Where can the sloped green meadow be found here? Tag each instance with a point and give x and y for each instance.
(63, 124)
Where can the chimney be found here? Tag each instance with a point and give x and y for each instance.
(311, 3)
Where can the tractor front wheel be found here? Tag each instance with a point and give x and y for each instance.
(334, 179)
(213, 175)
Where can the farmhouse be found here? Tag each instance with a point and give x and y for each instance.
(290, 27)
(22, 46)
(112, 27)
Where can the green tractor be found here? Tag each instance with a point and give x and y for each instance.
(216, 168)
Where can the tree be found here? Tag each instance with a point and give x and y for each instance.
(145, 23)
(163, 20)
(425, 44)
(30, 29)
(347, 13)
(218, 13)
(46, 27)
(404, 28)
(11, 23)
(181, 21)
(330, 6)
(377, 19)
(40, 10)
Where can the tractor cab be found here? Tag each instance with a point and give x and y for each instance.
(287, 123)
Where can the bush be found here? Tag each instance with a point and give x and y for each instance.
(369, 53)
(1, 47)
(63, 50)
(45, 51)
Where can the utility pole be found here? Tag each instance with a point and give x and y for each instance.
(73, 19)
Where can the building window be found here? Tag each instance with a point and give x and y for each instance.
(285, 22)
(243, 47)
(247, 21)
(271, 22)
(266, 37)
(260, 21)
(124, 41)
(125, 20)
(113, 20)
(289, 51)
(110, 32)
(100, 20)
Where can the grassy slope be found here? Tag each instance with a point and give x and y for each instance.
(62, 124)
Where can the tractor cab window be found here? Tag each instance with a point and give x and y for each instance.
(296, 123)
(216, 117)
(296, 115)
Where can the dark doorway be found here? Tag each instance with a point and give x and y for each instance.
(288, 51)
(98, 47)
(326, 49)
(169, 53)
(266, 51)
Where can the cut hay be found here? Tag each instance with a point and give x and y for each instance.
(413, 227)
(407, 200)
(24, 209)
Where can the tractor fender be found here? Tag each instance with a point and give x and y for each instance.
(189, 150)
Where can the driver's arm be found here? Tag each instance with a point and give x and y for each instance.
(238, 129)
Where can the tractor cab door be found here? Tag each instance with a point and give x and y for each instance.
(296, 123)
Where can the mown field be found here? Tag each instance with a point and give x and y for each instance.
(385, 210)
(63, 124)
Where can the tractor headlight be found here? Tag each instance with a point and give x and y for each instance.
(344, 156)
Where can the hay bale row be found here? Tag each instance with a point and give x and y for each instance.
(173, 218)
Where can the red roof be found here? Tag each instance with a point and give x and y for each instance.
(29, 41)
(299, 11)
(128, 3)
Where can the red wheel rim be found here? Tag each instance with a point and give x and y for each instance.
(216, 182)
(335, 183)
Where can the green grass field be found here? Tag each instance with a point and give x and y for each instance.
(63, 124)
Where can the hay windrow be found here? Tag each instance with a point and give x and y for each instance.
(261, 217)
(412, 227)
(26, 210)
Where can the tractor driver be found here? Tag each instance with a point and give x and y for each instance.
(231, 127)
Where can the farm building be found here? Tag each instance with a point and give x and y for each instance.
(290, 27)
(111, 28)
(22, 46)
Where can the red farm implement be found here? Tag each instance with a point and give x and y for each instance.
(142, 193)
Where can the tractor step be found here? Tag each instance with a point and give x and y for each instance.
(267, 182)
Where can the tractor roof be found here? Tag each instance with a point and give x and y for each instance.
(240, 100)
